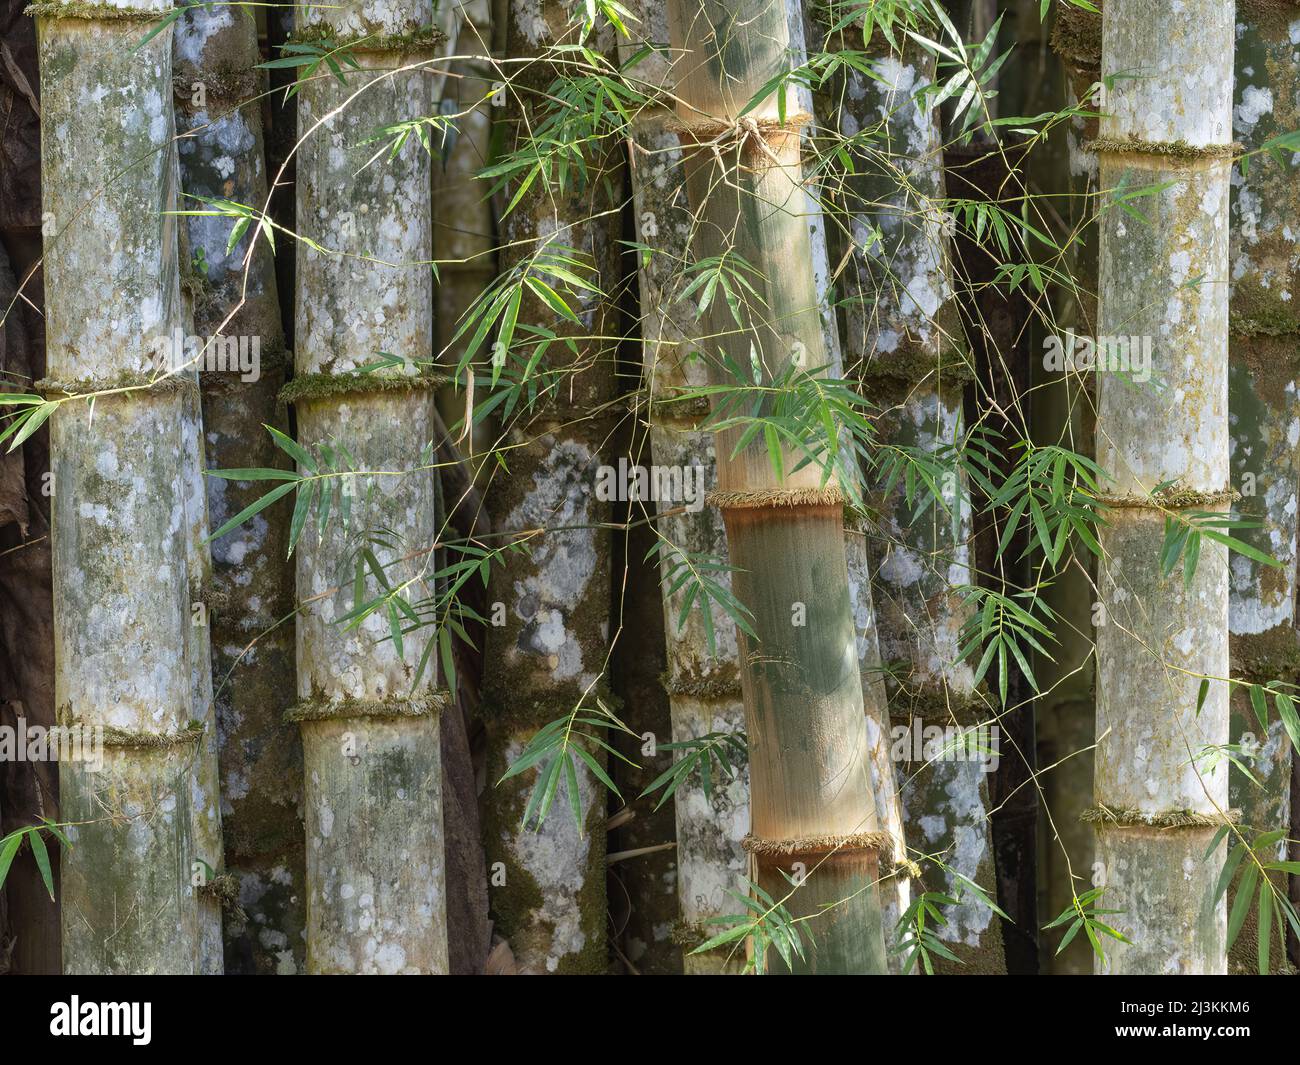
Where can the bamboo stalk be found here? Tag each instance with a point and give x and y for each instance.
(208, 866)
(1263, 380)
(705, 688)
(812, 806)
(1063, 412)
(1171, 128)
(121, 595)
(463, 220)
(904, 341)
(372, 792)
(550, 652)
(219, 117)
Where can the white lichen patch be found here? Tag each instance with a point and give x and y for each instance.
(555, 857)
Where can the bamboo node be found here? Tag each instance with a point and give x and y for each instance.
(1101, 814)
(905, 867)
(136, 739)
(224, 888)
(830, 496)
(322, 708)
(310, 386)
(1076, 37)
(1168, 149)
(942, 704)
(94, 12)
(1169, 499)
(712, 133)
(170, 382)
(723, 686)
(418, 40)
(815, 845)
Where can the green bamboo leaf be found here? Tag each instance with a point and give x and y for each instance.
(292, 448)
(264, 474)
(1071, 932)
(1241, 548)
(1265, 924)
(42, 861)
(1241, 904)
(8, 848)
(597, 770)
(395, 628)
(448, 659)
(1286, 711)
(571, 786)
(31, 421)
(301, 508)
(56, 831)
(723, 938)
(1229, 868)
(1191, 559)
(1257, 703)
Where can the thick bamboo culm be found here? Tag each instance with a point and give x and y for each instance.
(551, 653)
(1158, 803)
(372, 769)
(1263, 382)
(904, 342)
(812, 807)
(704, 687)
(218, 108)
(121, 661)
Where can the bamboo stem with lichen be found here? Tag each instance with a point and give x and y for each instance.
(121, 589)
(1169, 130)
(372, 785)
(1263, 383)
(219, 119)
(550, 652)
(905, 344)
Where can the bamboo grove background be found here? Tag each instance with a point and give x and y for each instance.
(947, 647)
